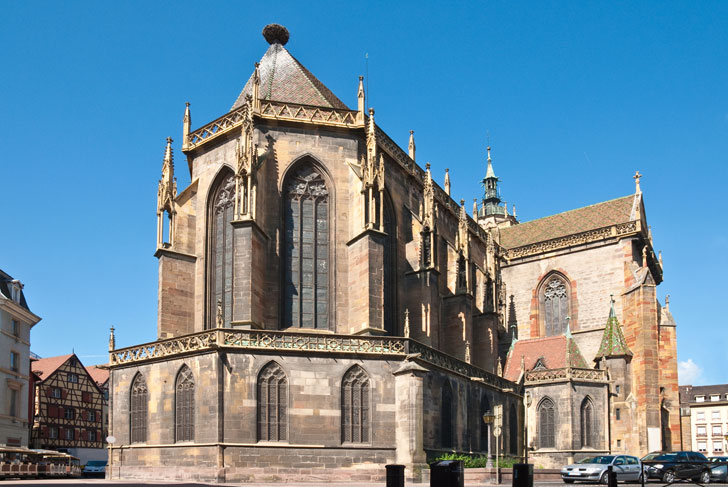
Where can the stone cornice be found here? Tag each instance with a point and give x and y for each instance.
(286, 343)
(175, 255)
(18, 311)
(620, 230)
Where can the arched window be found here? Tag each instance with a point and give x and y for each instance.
(272, 403)
(546, 429)
(484, 427)
(355, 406)
(390, 268)
(138, 410)
(446, 416)
(220, 251)
(184, 401)
(665, 427)
(587, 423)
(554, 303)
(513, 429)
(306, 249)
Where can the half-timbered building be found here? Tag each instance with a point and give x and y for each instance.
(68, 408)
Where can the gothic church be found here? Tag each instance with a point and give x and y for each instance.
(326, 308)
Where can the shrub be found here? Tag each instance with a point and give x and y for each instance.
(477, 461)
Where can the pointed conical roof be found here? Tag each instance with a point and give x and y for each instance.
(489, 173)
(613, 341)
(284, 79)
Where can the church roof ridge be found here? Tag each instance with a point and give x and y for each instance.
(590, 217)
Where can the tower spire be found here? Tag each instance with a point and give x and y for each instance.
(360, 101)
(491, 198)
(636, 178)
(186, 123)
(166, 193)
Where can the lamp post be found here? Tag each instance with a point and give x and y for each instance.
(488, 419)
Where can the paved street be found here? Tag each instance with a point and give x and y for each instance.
(105, 483)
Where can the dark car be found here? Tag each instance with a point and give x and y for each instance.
(718, 470)
(669, 466)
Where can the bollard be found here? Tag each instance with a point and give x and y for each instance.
(395, 475)
(447, 473)
(523, 475)
(611, 477)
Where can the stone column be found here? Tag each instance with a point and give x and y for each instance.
(409, 427)
(249, 275)
(366, 283)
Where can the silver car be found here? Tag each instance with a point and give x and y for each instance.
(594, 469)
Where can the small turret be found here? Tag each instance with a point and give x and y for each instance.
(411, 145)
(447, 181)
(360, 101)
(186, 123)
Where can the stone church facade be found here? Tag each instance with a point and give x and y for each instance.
(326, 308)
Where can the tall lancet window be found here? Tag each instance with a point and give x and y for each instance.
(306, 249)
(390, 268)
(587, 423)
(554, 304)
(355, 406)
(138, 410)
(220, 252)
(184, 414)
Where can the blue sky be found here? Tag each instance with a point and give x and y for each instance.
(576, 96)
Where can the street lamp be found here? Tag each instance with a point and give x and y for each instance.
(488, 419)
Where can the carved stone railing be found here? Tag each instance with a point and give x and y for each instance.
(304, 113)
(589, 236)
(565, 374)
(272, 110)
(206, 340)
(291, 342)
(217, 127)
(312, 342)
(448, 362)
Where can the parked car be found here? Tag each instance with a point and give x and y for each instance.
(594, 469)
(94, 468)
(717, 459)
(718, 470)
(669, 466)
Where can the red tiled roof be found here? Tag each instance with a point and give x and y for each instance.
(570, 222)
(284, 79)
(100, 376)
(551, 350)
(44, 367)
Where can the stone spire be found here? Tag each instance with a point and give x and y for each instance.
(411, 145)
(360, 101)
(186, 124)
(475, 208)
(112, 339)
(166, 193)
(406, 323)
(447, 181)
(613, 342)
(512, 320)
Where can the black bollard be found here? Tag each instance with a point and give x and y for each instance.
(522, 475)
(395, 475)
(611, 477)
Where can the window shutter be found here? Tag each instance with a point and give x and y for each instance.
(52, 411)
(84, 415)
(98, 435)
(62, 433)
(48, 392)
(84, 435)
(61, 412)
(44, 432)
(76, 435)
(64, 393)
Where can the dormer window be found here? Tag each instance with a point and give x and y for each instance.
(699, 398)
(715, 397)
(16, 289)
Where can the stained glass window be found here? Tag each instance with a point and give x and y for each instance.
(272, 404)
(446, 416)
(185, 405)
(546, 417)
(138, 410)
(355, 406)
(306, 250)
(587, 423)
(220, 270)
(555, 305)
